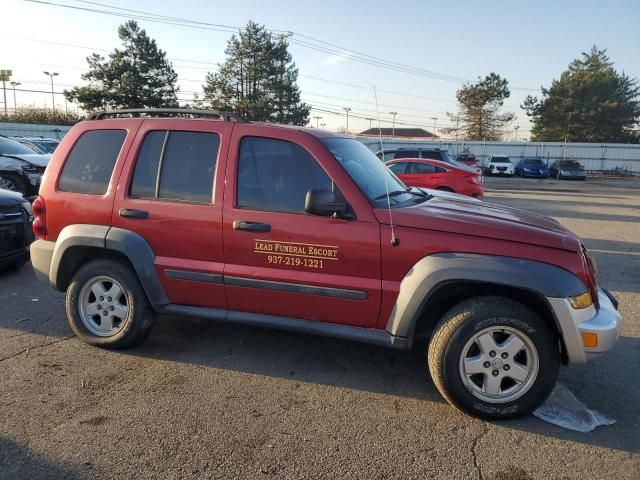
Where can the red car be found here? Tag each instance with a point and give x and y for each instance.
(144, 213)
(425, 173)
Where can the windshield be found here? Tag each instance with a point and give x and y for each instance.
(533, 161)
(500, 160)
(10, 147)
(570, 164)
(371, 176)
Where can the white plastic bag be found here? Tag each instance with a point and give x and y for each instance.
(562, 408)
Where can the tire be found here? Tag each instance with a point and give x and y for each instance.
(13, 183)
(133, 317)
(453, 342)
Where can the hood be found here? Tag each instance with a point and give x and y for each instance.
(34, 159)
(475, 218)
(7, 198)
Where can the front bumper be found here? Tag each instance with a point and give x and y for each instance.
(605, 322)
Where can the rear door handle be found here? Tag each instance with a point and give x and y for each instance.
(132, 213)
(251, 226)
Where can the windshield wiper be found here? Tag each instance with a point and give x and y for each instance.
(395, 193)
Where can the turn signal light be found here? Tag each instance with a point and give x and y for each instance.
(581, 301)
(589, 339)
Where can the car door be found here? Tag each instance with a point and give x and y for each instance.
(420, 174)
(167, 196)
(282, 261)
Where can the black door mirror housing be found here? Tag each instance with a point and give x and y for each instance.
(325, 203)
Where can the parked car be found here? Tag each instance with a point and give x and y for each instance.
(15, 229)
(567, 169)
(499, 165)
(319, 237)
(469, 159)
(430, 153)
(532, 167)
(20, 168)
(39, 144)
(420, 172)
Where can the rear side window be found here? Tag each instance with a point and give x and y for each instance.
(276, 175)
(421, 168)
(90, 163)
(407, 154)
(432, 154)
(185, 161)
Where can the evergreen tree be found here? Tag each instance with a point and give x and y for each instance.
(591, 102)
(257, 80)
(137, 76)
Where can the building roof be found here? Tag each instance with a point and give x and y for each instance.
(399, 132)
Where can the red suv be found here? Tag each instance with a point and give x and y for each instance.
(144, 212)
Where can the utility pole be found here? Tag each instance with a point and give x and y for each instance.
(347, 109)
(5, 76)
(53, 98)
(15, 104)
(393, 123)
(370, 120)
(317, 120)
(435, 119)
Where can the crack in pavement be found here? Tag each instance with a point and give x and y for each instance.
(37, 347)
(474, 445)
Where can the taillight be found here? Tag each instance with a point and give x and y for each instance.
(39, 225)
(477, 179)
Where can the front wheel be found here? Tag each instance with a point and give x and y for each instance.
(13, 183)
(493, 358)
(107, 307)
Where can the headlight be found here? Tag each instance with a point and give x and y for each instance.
(581, 301)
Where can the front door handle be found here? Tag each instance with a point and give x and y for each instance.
(132, 213)
(251, 226)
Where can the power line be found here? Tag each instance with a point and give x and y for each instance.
(316, 44)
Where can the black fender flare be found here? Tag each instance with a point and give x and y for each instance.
(428, 273)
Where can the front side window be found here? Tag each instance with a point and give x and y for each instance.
(275, 175)
(398, 168)
(186, 161)
(90, 163)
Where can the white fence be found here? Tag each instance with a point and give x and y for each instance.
(609, 157)
(33, 130)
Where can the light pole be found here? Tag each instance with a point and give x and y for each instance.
(393, 123)
(317, 120)
(14, 85)
(435, 119)
(347, 109)
(516, 130)
(322, 125)
(53, 99)
(370, 120)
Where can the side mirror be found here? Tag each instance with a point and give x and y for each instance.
(324, 203)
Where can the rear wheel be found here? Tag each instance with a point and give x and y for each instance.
(107, 307)
(493, 358)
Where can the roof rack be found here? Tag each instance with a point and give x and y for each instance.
(167, 112)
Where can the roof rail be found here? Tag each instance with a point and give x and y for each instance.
(167, 112)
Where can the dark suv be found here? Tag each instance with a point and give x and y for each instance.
(297, 228)
(21, 169)
(15, 229)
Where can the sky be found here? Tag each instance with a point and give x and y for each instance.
(528, 43)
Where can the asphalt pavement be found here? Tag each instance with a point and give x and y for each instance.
(203, 399)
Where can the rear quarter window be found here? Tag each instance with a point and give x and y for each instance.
(90, 163)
